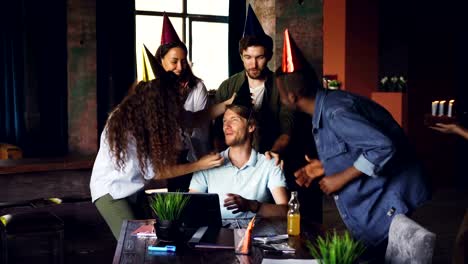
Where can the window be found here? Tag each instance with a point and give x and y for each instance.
(201, 24)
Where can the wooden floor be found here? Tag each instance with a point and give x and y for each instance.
(88, 239)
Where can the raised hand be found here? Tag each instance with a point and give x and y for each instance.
(308, 173)
(445, 128)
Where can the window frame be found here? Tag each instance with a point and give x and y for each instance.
(186, 18)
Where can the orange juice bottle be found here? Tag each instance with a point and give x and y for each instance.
(294, 216)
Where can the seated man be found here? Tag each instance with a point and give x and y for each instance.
(246, 180)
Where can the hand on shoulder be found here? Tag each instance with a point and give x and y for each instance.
(210, 161)
(272, 155)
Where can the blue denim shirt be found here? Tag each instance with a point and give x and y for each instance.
(350, 130)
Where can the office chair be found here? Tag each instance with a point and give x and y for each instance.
(408, 242)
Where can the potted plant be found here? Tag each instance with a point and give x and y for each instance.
(334, 84)
(335, 249)
(168, 209)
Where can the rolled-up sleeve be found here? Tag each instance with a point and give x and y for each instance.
(359, 133)
(365, 166)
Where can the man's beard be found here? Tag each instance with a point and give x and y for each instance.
(236, 142)
(257, 75)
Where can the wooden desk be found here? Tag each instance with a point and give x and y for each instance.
(133, 249)
(29, 179)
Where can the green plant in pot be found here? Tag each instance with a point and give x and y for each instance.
(334, 84)
(168, 209)
(336, 249)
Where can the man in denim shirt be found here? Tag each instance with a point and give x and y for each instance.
(364, 154)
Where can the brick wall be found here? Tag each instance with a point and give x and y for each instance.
(265, 11)
(304, 22)
(81, 42)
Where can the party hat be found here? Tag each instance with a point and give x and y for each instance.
(244, 245)
(291, 61)
(252, 26)
(243, 97)
(168, 34)
(148, 65)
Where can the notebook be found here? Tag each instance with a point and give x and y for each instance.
(144, 231)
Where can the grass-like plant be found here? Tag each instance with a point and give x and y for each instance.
(334, 83)
(335, 249)
(170, 206)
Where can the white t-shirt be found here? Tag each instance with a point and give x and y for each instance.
(257, 95)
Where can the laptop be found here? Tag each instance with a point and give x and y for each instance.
(202, 209)
(202, 223)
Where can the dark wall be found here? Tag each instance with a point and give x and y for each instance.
(426, 42)
(361, 63)
(393, 38)
(116, 70)
(45, 49)
(460, 32)
(433, 76)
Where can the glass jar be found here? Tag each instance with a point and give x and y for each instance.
(294, 216)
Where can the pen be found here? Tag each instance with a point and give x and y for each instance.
(165, 248)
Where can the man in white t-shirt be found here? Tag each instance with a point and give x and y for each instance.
(247, 183)
(275, 122)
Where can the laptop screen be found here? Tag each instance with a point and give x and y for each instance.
(202, 209)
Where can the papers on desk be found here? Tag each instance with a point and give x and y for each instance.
(289, 261)
(144, 231)
(271, 239)
(283, 247)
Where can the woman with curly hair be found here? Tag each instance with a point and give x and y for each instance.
(142, 141)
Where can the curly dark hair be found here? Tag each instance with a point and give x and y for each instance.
(147, 118)
(187, 77)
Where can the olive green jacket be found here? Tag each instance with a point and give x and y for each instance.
(273, 119)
